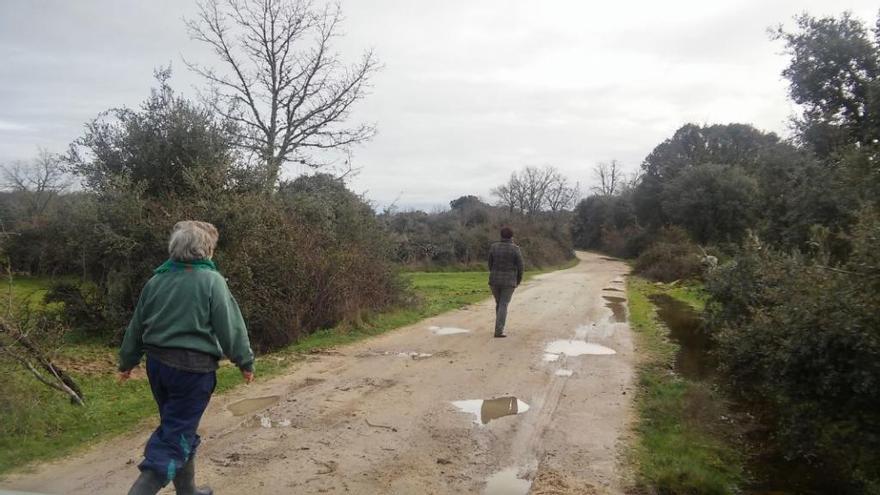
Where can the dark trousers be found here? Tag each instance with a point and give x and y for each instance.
(502, 299)
(182, 397)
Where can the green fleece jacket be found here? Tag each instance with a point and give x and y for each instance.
(187, 306)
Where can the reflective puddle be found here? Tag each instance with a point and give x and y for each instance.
(248, 406)
(487, 410)
(506, 483)
(618, 311)
(575, 348)
(414, 355)
(593, 331)
(551, 357)
(447, 330)
(563, 372)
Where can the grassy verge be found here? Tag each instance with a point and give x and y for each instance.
(39, 424)
(681, 446)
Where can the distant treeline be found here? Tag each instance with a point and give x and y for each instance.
(795, 226)
(460, 237)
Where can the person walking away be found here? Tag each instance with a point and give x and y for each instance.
(505, 274)
(185, 320)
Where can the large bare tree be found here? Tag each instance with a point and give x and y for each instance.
(534, 189)
(282, 82)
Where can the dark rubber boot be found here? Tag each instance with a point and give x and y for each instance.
(148, 483)
(185, 481)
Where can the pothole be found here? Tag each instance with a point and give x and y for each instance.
(563, 372)
(447, 330)
(489, 409)
(574, 348)
(506, 482)
(618, 311)
(248, 406)
(612, 289)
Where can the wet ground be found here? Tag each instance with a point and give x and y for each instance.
(771, 472)
(438, 407)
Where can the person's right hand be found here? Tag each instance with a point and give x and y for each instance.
(248, 376)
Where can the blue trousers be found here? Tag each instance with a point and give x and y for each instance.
(182, 397)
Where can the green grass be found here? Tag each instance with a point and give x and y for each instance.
(40, 424)
(681, 446)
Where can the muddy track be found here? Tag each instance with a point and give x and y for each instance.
(379, 416)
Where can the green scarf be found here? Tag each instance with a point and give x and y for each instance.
(185, 266)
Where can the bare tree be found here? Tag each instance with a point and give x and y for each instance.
(534, 189)
(610, 176)
(561, 194)
(39, 180)
(283, 84)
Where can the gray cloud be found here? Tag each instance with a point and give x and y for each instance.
(470, 90)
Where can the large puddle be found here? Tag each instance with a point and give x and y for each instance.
(506, 482)
(447, 330)
(557, 348)
(686, 328)
(248, 406)
(771, 472)
(616, 305)
(487, 410)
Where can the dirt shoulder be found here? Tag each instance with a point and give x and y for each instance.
(387, 415)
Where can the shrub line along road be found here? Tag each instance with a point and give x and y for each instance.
(378, 416)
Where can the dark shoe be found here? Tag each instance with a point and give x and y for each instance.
(500, 335)
(185, 481)
(148, 483)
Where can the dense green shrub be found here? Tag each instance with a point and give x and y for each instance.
(671, 256)
(804, 338)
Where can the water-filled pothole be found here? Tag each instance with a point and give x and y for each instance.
(574, 348)
(247, 406)
(618, 310)
(489, 409)
(447, 330)
(506, 482)
(563, 372)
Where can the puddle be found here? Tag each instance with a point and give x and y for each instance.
(562, 372)
(267, 422)
(551, 357)
(593, 331)
(447, 330)
(506, 482)
(247, 406)
(487, 410)
(685, 327)
(575, 348)
(414, 355)
(618, 310)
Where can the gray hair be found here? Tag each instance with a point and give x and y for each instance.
(192, 240)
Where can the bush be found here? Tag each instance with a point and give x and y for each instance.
(672, 256)
(804, 339)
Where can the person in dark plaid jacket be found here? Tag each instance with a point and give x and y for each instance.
(505, 274)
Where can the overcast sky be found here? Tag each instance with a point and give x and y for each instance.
(470, 90)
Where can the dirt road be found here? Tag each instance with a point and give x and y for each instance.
(388, 415)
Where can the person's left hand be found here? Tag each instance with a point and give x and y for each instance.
(123, 376)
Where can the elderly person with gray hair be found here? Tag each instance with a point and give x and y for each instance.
(185, 320)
